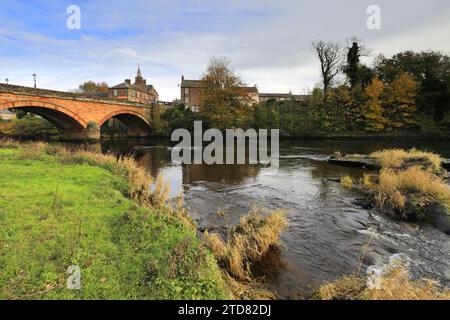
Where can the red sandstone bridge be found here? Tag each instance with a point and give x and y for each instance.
(77, 116)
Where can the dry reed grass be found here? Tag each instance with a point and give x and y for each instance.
(240, 290)
(247, 243)
(347, 182)
(395, 186)
(395, 285)
(398, 159)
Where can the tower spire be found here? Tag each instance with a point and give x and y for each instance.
(139, 73)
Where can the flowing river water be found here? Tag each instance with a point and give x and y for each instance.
(327, 229)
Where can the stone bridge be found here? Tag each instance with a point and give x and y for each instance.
(77, 116)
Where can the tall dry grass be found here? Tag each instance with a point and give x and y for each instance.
(247, 243)
(347, 182)
(423, 187)
(401, 159)
(395, 285)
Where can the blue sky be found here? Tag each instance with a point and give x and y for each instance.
(268, 41)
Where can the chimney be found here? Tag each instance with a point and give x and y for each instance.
(128, 81)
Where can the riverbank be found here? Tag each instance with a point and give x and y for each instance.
(59, 209)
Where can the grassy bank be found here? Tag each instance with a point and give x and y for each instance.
(60, 208)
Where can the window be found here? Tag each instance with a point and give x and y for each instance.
(115, 92)
(186, 91)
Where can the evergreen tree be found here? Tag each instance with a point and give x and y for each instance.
(352, 67)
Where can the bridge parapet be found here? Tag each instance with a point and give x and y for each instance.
(8, 88)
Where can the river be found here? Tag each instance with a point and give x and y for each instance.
(327, 228)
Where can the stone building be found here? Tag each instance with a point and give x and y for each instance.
(139, 91)
(191, 91)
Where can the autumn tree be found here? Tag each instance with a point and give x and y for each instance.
(432, 72)
(329, 55)
(373, 112)
(225, 100)
(400, 101)
(92, 87)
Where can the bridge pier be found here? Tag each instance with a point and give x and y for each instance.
(79, 135)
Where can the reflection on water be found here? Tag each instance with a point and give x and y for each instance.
(327, 230)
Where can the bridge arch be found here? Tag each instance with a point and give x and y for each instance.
(61, 117)
(136, 124)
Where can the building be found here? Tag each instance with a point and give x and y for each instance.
(253, 94)
(139, 91)
(264, 97)
(191, 91)
(7, 115)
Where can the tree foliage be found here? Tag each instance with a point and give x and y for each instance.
(92, 87)
(373, 111)
(225, 101)
(432, 72)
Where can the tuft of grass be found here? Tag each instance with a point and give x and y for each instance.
(345, 288)
(395, 285)
(240, 290)
(367, 181)
(424, 187)
(247, 243)
(401, 159)
(347, 182)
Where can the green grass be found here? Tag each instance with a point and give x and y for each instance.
(55, 214)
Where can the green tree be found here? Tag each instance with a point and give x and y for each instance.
(340, 111)
(353, 61)
(356, 72)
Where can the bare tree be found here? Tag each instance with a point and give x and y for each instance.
(330, 57)
(221, 74)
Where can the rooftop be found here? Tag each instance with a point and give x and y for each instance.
(193, 83)
(281, 95)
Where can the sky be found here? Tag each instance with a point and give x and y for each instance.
(269, 42)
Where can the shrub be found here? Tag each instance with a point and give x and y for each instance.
(92, 126)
